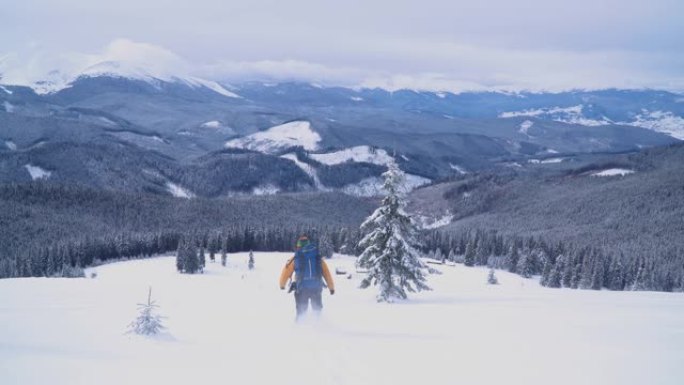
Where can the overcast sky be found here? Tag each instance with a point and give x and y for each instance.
(425, 44)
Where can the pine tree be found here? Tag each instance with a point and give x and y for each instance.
(224, 257)
(556, 273)
(147, 322)
(524, 267)
(389, 245)
(201, 260)
(512, 258)
(469, 259)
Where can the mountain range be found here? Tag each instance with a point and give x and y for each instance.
(122, 128)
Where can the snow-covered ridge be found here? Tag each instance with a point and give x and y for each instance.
(614, 172)
(298, 133)
(56, 81)
(570, 115)
(661, 121)
(37, 172)
(6, 90)
(355, 154)
(664, 122)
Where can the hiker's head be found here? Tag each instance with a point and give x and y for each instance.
(302, 241)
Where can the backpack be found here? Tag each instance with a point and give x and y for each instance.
(307, 268)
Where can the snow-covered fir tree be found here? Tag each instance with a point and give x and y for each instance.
(389, 245)
(491, 277)
(325, 246)
(469, 258)
(250, 263)
(201, 260)
(147, 322)
(187, 260)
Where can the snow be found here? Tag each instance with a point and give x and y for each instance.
(56, 81)
(266, 190)
(458, 168)
(660, 121)
(212, 124)
(546, 161)
(356, 98)
(8, 106)
(212, 85)
(613, 172)
(232, 325)
(433, 223)
(355, 154)
(6, 90)
(370, 187)
(107, 121)
(305, 167)
(179, 191)
(298, 133)
(11, 145)
(570, 115)
(37, 172)
(441, 95)
(524, 126)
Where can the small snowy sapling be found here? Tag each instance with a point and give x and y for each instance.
(491, 278)
(147, 322)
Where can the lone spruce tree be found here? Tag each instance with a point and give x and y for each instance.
(389, 245)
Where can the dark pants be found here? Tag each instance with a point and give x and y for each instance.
(302, 297)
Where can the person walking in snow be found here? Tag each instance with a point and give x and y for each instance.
(310, 270)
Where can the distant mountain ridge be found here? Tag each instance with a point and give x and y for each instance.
(186, 121)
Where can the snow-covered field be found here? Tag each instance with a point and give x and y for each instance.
(234, 326)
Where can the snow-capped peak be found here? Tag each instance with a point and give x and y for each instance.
(297, 133)
(56, 80)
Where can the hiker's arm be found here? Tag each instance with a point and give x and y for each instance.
(286, 273)
(327, 276)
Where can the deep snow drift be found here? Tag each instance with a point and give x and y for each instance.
(232, 325)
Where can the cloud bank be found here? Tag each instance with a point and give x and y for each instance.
(433, 44)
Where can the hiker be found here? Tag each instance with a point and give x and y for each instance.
(309, 269)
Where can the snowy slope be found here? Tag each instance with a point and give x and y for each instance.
(355, 154)
(306, 168)
(232, 325)
(298, 133)
(178, 191)
(372, 186)
(37, 172)
(660, 121)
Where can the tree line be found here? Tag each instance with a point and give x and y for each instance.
(561, 264)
